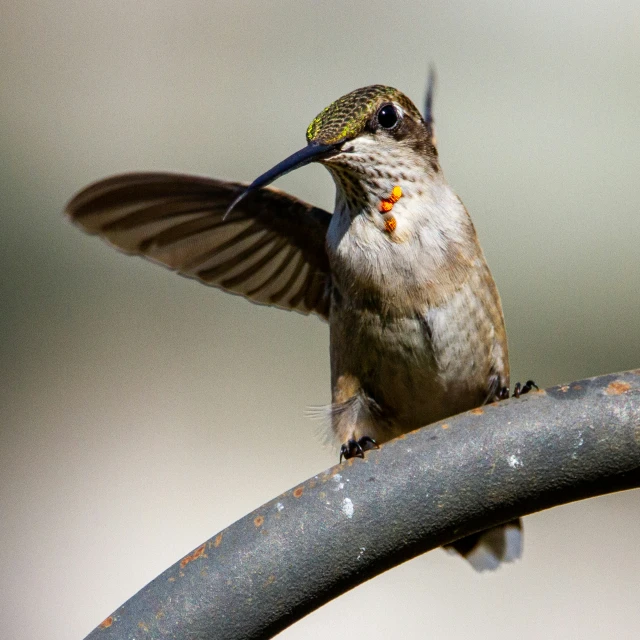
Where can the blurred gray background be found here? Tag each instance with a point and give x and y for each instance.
(142, 412)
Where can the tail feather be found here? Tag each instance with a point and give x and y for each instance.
(486, 550)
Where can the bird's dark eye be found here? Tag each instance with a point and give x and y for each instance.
(388, 116)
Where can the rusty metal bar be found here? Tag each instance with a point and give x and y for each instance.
(358, 519)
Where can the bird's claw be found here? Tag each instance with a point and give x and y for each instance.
(356, 448)
(518, 390)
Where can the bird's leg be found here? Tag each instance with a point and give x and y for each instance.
(518, 390)
(356, 448)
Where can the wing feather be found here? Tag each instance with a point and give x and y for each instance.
(271, 249)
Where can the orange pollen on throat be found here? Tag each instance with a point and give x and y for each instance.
(387, 203)
(390, 224)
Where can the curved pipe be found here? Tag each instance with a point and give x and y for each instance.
(418, 492)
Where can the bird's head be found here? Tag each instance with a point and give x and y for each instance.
(371, 140)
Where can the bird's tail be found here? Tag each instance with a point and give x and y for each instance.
(486, 550)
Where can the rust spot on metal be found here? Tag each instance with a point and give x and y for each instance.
(160, 614)
(258, 521)
(477, 412)
(218, 540)
(575, 386)
(194, 555)
(298, 491)
(445, 426)
(106, 623)
(312, 483)
(564, 388)
(270, 580)
(402, 436)
(143, 626)
(617, 387)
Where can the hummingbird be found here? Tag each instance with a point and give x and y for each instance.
(416, 326)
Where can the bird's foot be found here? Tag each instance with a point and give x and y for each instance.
(356, 448)
(518, 390)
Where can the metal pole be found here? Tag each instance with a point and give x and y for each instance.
(356, 520)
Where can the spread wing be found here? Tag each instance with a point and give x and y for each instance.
(270, 249)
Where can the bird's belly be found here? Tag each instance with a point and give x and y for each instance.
(398, 364)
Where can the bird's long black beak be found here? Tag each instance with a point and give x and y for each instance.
(311, 153)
